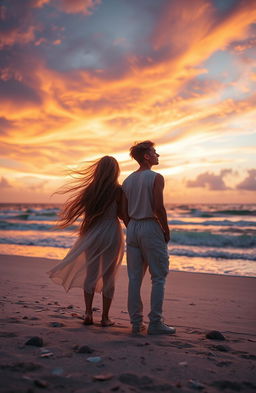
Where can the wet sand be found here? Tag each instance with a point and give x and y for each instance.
(75, 358)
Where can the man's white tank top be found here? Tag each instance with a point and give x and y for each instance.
(138, 189)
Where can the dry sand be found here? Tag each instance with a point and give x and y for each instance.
(31, 305)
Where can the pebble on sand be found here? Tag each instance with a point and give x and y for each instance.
(215, 335)
(56, 324)
(35, 341)
(94, 359)
(40, 383)
(196, 384)
(57, 371)
(84, 349)
(102, 377)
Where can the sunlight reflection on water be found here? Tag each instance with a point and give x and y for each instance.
(178, 263)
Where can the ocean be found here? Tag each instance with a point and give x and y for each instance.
(205, 238)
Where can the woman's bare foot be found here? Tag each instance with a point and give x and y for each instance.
(88, 319)
(107, 323)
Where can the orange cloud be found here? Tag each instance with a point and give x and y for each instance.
(18, 36)
(52, 118)
(249, 183)
(76, 6)
(4, 183)
(243, 45)
(210, 180)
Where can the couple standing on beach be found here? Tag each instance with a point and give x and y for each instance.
(93, 261)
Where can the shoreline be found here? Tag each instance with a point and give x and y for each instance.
(124, 264)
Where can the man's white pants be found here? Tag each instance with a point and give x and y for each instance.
(146, 247)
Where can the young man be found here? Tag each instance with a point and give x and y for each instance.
(147, 238)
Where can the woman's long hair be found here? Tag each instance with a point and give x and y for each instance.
(92, 191)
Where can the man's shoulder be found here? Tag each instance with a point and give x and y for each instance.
(126, 180)
(131, 175)
(147, 173)
(155, 174)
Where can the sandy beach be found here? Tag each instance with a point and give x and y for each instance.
(74, 358)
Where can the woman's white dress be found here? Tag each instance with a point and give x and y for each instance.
(93, 261)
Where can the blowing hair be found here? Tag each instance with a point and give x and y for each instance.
(92, 191)
(138, 150)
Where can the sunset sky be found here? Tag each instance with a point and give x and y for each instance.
(84, 78)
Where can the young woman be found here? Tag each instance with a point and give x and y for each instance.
(93, 261)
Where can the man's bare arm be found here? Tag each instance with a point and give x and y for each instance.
(158, 205)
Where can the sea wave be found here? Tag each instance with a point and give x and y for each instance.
(207, 239)
(229, 223)
(212, 254)
(60, 241)
(209, 211)
(183, 238)
(29, 214)
(42, 223)
(234, 212)
(30, 226)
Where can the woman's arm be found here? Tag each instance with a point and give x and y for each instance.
(122, 207)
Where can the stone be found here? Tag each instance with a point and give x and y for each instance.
(85, 349)
(57, 371)
(35, 341)
(56, 324)
(183, 364)
(196, 385)
(94, 359)
(40, 383)
(102, 377)
(215, 335)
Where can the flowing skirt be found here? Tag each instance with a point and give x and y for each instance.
(92, 263)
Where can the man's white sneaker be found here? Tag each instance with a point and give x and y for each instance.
(160, 328)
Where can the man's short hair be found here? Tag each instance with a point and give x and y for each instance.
(138, 150)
